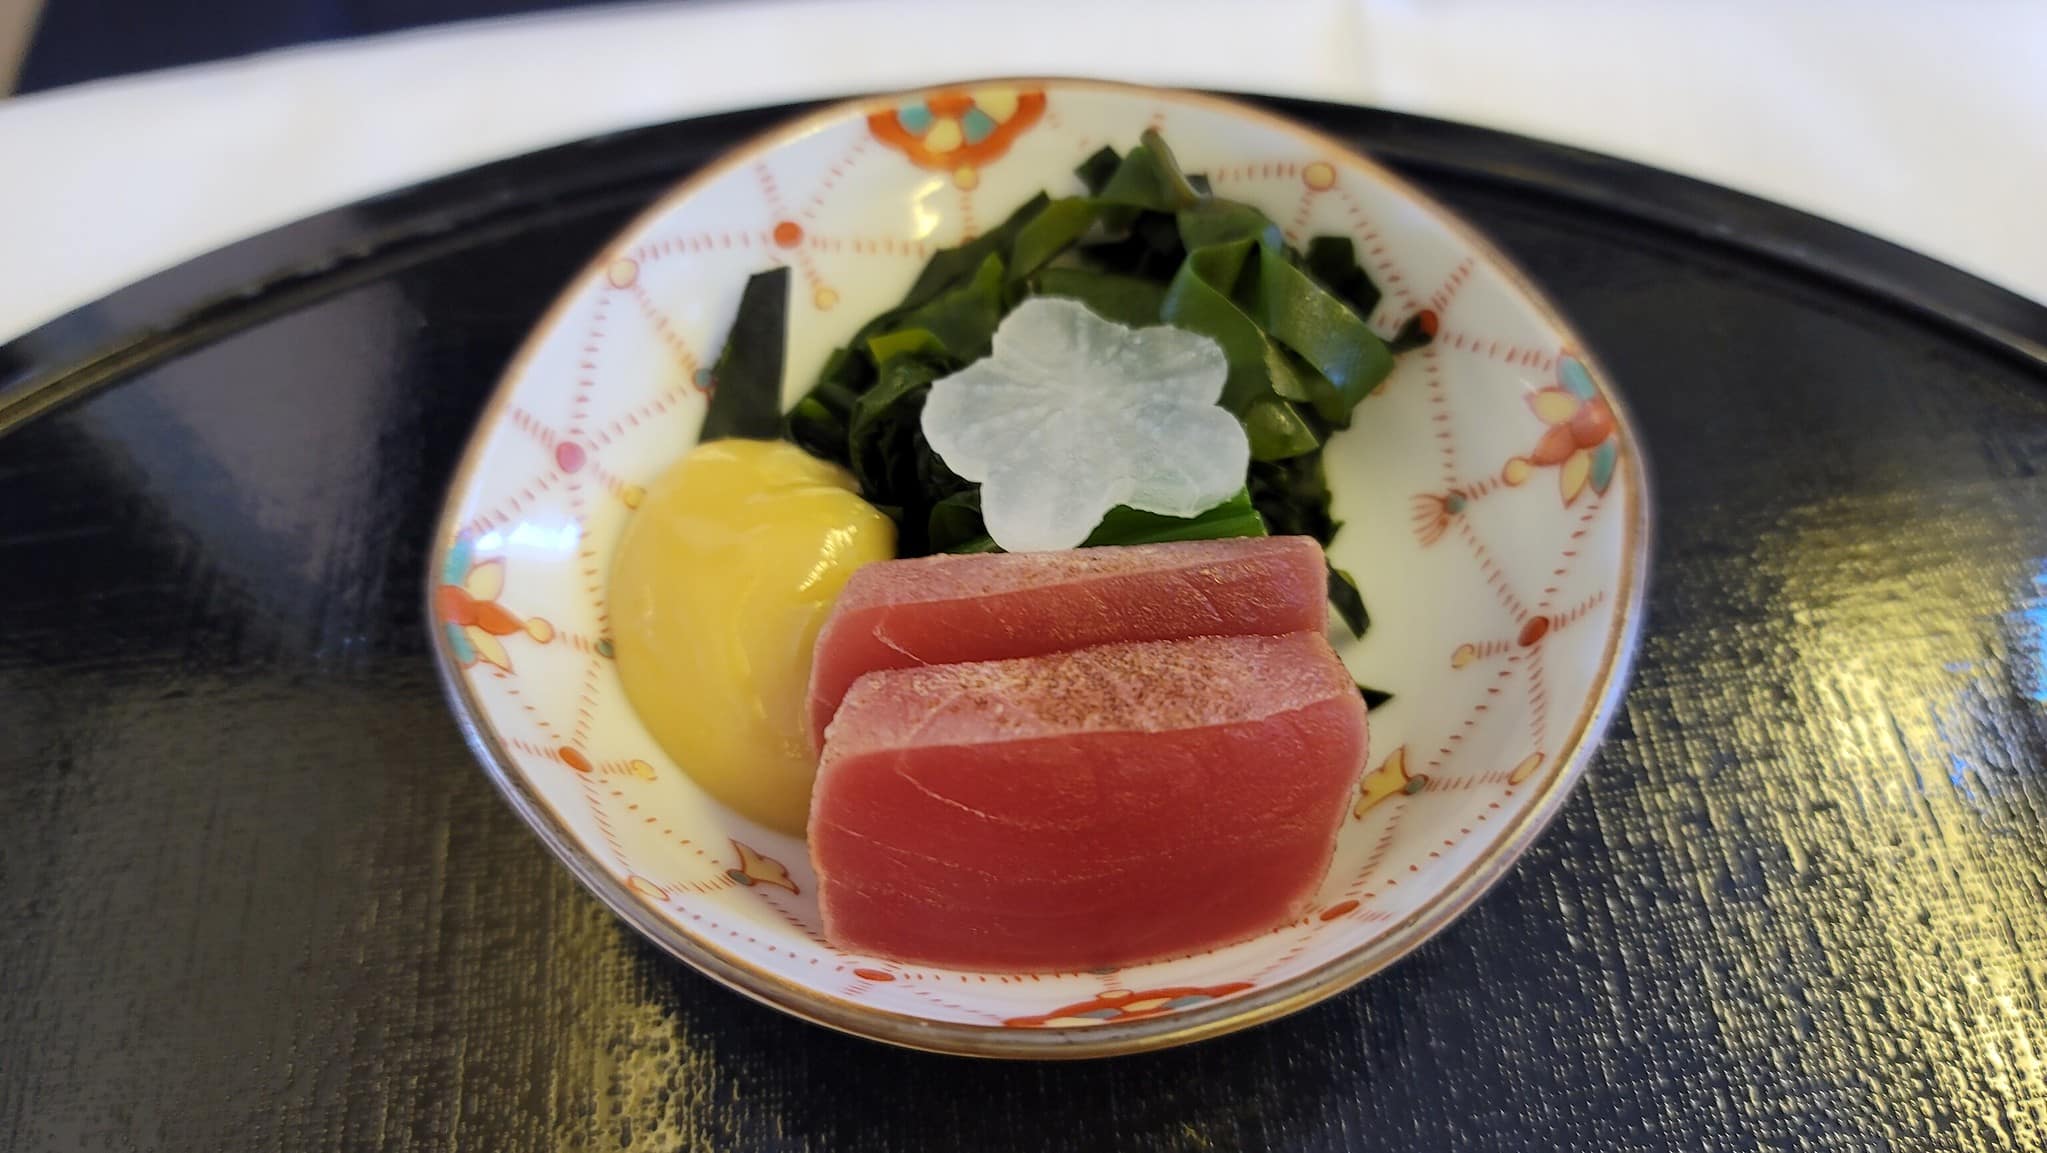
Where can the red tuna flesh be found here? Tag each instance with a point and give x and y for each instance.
(946, 609)
(1099, 807)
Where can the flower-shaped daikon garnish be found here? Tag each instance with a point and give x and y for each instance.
(1072, 415)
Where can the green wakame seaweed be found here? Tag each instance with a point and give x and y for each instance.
(1147, 243)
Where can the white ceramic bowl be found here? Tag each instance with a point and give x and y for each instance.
(1492, 492)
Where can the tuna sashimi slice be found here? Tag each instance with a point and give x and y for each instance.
(946, 609)
(1099, 807)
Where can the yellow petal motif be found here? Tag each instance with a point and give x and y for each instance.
(1389, 779)
(998, 103)
(1554, 405)
(486, 580)
(488, 647)
(762, 870)
(945, 135)
(1572, 476)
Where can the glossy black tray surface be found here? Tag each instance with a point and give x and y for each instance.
(256, 894)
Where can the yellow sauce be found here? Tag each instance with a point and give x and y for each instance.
(718, 589)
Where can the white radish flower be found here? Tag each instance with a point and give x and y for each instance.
(1072, 415)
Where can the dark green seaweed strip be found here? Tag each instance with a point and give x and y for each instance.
(1199, 299)
(1058, 228)
(956, 525)
(1222, 222)
(1303, 316)
(1348, 602)
(1293, 497)
(962, 319)
(1127, 300)
(1277, 430)
(1124, 525)
(746, 382)
(1149, 177)
(951, 267)
(1094, 172)
(1333, 260)
(1416, 332)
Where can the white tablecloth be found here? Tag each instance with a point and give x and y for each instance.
(1924, 123)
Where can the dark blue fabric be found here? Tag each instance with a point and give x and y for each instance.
(79, 40)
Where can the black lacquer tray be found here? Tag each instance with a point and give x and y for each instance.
(256, 894)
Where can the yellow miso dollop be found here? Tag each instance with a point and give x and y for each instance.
(719, 586)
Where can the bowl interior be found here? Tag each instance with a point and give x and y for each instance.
(1491, 494)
